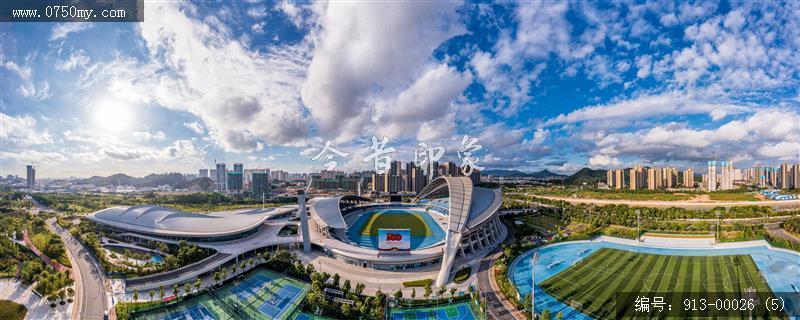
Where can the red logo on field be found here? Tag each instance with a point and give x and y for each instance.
(394, 237)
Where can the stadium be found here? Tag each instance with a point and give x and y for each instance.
(448, 219)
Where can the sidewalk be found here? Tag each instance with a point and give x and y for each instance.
(38, 308)
(44, 257)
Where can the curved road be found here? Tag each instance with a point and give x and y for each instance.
(90, 293)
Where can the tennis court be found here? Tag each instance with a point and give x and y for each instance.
(456, 311)
(251, 286)
(263, 294)
(196, 312)
(277, 305)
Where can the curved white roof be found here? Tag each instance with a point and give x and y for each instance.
(157, 220)
(467, 206)
(329, 212)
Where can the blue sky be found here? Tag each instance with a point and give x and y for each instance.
(555, 85)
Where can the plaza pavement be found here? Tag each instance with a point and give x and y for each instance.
(38, 308)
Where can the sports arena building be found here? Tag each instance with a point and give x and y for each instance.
(151, 221)
(449, 218)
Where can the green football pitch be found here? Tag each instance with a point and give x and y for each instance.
(406, 220)
(591, 284)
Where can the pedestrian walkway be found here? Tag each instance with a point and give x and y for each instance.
(38, 308)
(50, 262)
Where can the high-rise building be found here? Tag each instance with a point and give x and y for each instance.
(432, 170)
(727, 175)
(670, 177)
(619, 181)
(408, 176)
(238, 167)
(418, 179)
(235, 181)
(712, 176)
(260, 183)
(450, 169)
(796, 176)
(614, 178)
(203, 173)
(475, 176)
(221, 182)
(31, 176)
(378, 182)
(392, 183)
(638, 177)
(655, 178)
(784, 180)
(688, 178)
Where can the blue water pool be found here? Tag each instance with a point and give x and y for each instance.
(417, 242)
(780, 268)
(156, 258)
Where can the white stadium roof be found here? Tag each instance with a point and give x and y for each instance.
(157, 220)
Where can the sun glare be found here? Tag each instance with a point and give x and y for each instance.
(112, 115)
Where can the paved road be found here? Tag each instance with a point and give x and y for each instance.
(494, 306)
(91, 292)
(90, 281)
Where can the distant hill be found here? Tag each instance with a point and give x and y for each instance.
(151, 180)
(199, 184)
(586, 175)
(544, 174)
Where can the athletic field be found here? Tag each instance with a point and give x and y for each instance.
(425, 231)
(590, 285)
(395, 219)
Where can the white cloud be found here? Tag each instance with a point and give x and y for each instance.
(35, 157)
(62, 30)
(604, 161)
(668, 104)
(147, 136)
(244, 98)
(197, 127)
(789, 151)
(355, 68)
(22, 130)
(77, 58)
(28, 88)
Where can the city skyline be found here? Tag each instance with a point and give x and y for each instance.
(556, 86)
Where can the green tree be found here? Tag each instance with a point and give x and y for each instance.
(545, 314)
(152, 293)
(452, 292)
(161, 292)
(559, 315)
(346, 287)
(175, 289)
(336, 279)
(197, 284)
(187, 287)
(135, 295)
(398, 294)
(413, 293)
(428, 291)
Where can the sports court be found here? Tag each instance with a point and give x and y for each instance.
(455, 311)
(263, 294)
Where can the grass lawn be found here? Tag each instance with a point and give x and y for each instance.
(12, 311)
(410, 220)
(593, 281)
(733, 196)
